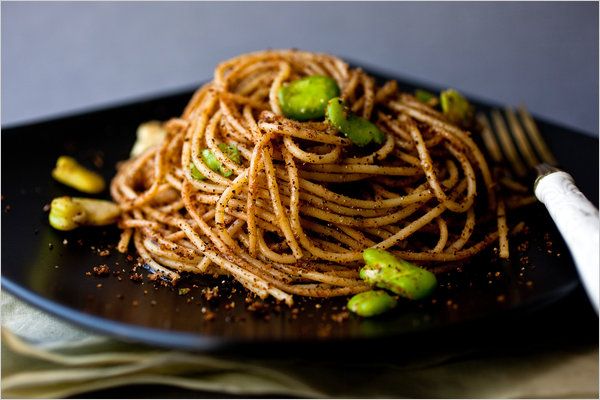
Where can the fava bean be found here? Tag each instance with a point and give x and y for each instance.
(424, 96)
(305, 99)
(455, 107)
(406, 279)
(370, 303)
(197, 175)
(359, 130)
(68, 213)
(231, 151)
(212, 162)
(71, 173)
(149, 134)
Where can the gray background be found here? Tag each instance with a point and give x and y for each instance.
(58, 58)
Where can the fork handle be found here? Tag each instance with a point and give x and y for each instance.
(577, 220)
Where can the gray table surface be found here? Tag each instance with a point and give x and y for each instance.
(59, 58)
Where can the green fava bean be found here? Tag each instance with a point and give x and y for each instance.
(455, 107)
(359, 130)
(401, 277)
(423, 95)
(197, 175)
(371, 303)
(210, 160)
(231, 151)
(379, 257)
(305, 99)
(213, 163)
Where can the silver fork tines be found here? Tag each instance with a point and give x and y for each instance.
(517, 140)
(574, 215)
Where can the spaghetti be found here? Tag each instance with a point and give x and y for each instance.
(293, 215)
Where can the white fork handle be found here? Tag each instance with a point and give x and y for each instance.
(577, 220)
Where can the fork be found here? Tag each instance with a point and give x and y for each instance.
(574, 215)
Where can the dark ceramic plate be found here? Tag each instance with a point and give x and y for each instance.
(48, 268)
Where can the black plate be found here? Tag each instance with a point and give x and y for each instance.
(38, 267)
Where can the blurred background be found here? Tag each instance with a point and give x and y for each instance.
(60, 58)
